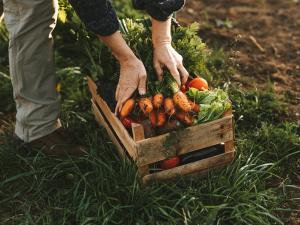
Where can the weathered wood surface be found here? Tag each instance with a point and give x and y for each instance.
(143, 171)
(99, 118)
(201, 166)
(92, 87)
(229, 146)
(138, 132)
(113, 121)
(190, 139)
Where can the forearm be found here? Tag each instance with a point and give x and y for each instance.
(161, 31)
(164, 55)
(118, 46)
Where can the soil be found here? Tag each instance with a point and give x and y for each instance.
(262, 36)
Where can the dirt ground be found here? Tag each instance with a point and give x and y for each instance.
(263, 37)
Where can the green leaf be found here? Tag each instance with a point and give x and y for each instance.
(62, 15)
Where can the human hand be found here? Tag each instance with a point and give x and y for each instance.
(132, 76)
(165, 55)
(132, 72)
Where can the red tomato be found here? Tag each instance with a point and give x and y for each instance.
(170, 163)
(199, 83)
(127, 122)
(183, 88)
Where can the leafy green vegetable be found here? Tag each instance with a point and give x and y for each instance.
(213, 103)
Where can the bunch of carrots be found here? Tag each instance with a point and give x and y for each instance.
(160, 108)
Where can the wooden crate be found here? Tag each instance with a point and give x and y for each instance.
(145, 152)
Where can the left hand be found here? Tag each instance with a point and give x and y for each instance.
(164, 55)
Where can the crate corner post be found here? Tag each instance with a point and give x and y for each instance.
(139, 135)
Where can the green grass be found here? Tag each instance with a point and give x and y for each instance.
(260, 187)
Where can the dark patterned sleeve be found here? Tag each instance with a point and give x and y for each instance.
(97, 15)
(159, 9)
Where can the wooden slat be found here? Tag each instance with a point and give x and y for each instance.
(229, 146)
(143, 171)
(199, 166)
(138, 132)
(99, 118)
(92, 87)
(190, 139)
(115, 123)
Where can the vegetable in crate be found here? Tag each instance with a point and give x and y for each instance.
(179, 98)
(169, 106)
(195, 107)
(161, 118)
(184, 117)
(158, 118)
(198, 83)
(127, 122)
(146, 106)
(127, 108)
(158, 100)
(170, 163)
(213, 104)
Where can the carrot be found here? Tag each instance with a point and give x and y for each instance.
(157, 119)
(182, 101)
(158, 100)
(169, 106)
(184, 117)
(161, 119)
(153, 118)
(127, 108)
(146, 105)
(195, 107)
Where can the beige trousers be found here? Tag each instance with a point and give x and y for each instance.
(30, 24)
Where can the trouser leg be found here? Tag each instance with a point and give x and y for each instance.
(30, 24)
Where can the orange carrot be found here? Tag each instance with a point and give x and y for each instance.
(195, 107)
(127, 108)
(169, 106)
(146, 105)
(158, 100)
(161, 119)
(184, 117)
(153, 118)
(182, 101)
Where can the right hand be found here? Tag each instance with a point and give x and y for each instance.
(132, 76)
(132, 73)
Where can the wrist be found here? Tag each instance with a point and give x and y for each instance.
(162, 40)
(125, 56)
(119, 48)
(161, 32)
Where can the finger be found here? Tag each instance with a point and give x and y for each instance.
(174, 71)
(142, 84)
(117, 92)
(159, 71)
(118, 108)
(184, 74)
